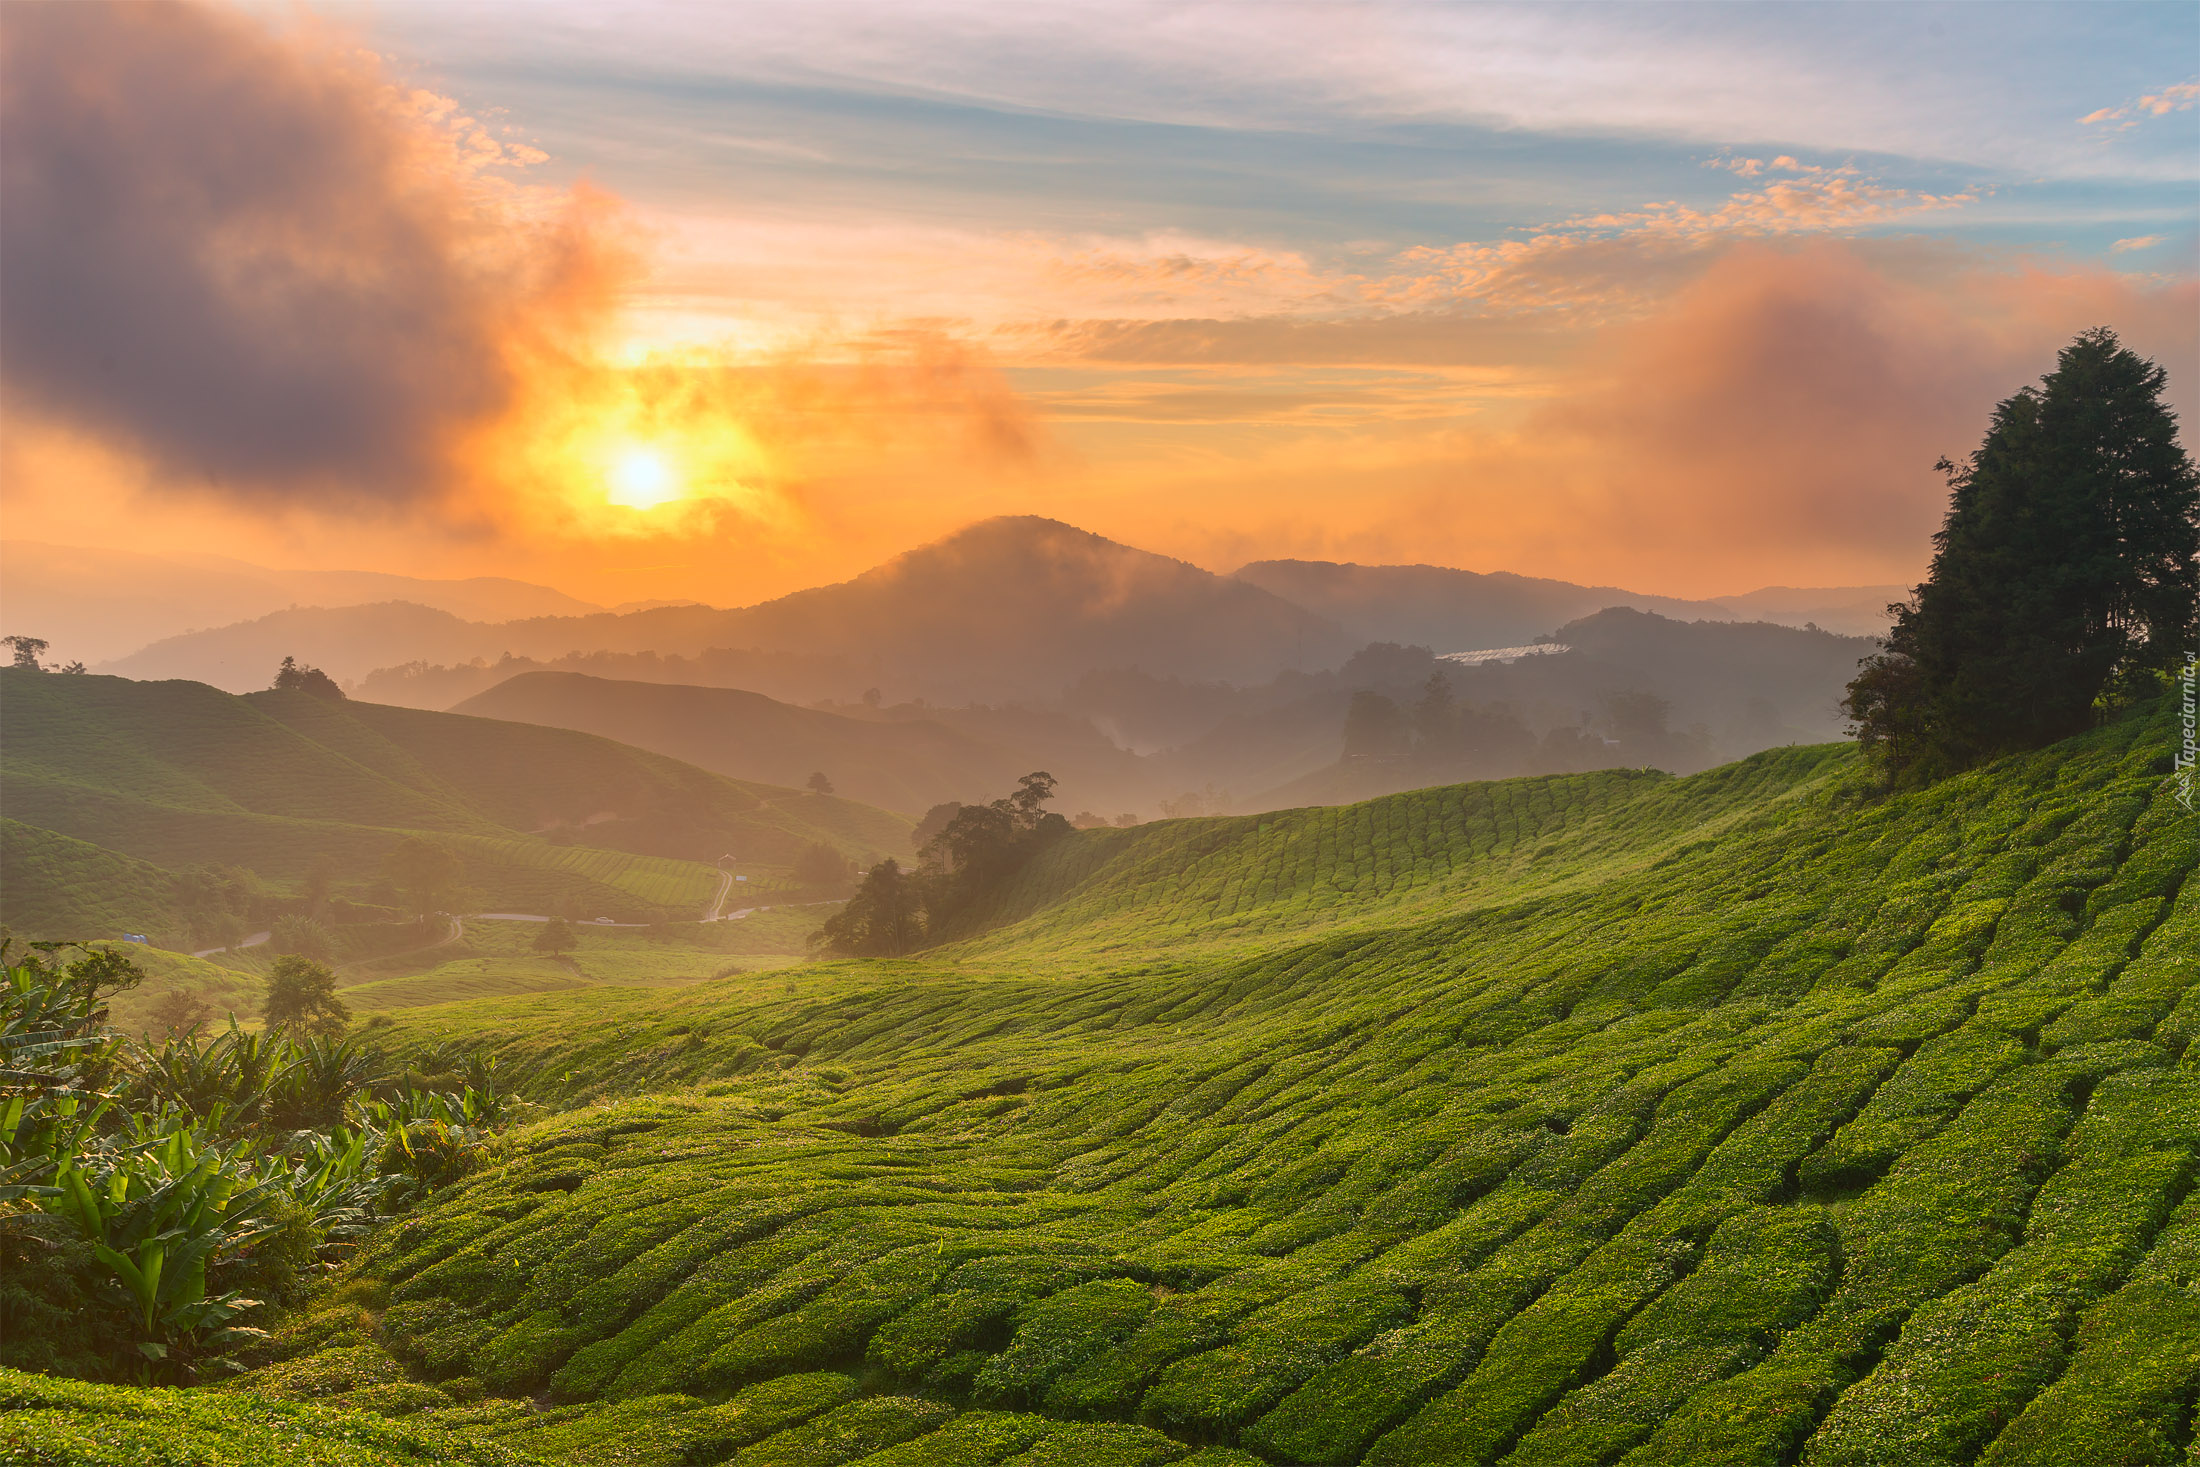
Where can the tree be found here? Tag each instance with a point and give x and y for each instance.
(301, 998)
(1374, 728)
(821, 865)
(819, 784)
(982, 842)
(934, 821)
(1436, 716)
(975, 843)
(303, 936)
(295, 676)
(1194, 803)
(320, 884)
(981, 846)
(557, 938)
(884, 919)
(426, 875)
(2063, 577)
(1638, 719)
(27, 651)
(180, 1012)
(1027, 806)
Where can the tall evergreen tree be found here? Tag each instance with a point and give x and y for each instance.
(2065, 573)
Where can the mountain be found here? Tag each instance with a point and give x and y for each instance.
(1727, 689)
(1442, 609)
(181, 775)
(1018, 607)
(903, 765)
(1758, 1116)
(344, 641)
(1007, 609)
(1852, 611)
(1745, 680)
(351, 641)
(1462, 611)
(97, 604)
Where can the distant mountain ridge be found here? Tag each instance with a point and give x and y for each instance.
(1009, 608)
(1450, 610)
(1013, 609)
(136, 598)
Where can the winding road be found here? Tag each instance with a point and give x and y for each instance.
(253, 941)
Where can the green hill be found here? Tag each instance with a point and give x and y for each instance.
(52, 884)
(178, 774)
(1743, 1118)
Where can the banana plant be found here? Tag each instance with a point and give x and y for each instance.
(245, 1072)
(38, 1134)
(320, 1079)
(155, 1213)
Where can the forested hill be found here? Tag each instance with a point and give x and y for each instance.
(1781, 1119)
(180, 774)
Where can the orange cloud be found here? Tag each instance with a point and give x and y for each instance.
(2177, 97)
(1619, 262)
(1775, 421)
(249, 271)
(1817, 199)
(273, 276)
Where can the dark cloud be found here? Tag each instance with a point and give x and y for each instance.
(251, 258)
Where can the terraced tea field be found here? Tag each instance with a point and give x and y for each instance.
(497, 959)
(1748, 1118)
(657, 883)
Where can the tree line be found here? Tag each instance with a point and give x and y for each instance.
(1442, 738)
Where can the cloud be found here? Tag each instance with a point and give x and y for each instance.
(1775, 420)
(2141, 242)
(260, 263)
(1988, 85)
(2177, 97)
(264, 270)
(1815, 199)
(1588, 269)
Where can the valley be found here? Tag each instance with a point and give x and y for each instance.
(1352, 734)
(1584, 1118)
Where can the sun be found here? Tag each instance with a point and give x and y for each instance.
(641, 479)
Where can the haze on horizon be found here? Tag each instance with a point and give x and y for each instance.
(673, 301)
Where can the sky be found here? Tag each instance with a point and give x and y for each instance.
(717, 301)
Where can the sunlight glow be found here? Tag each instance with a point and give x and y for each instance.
(642, 480)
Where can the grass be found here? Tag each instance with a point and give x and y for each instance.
(1748, 1118)
(497, 959)
(491, 959)
(62, 1423)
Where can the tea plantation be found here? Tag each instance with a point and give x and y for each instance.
(115, 787)
(1750, 1118)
